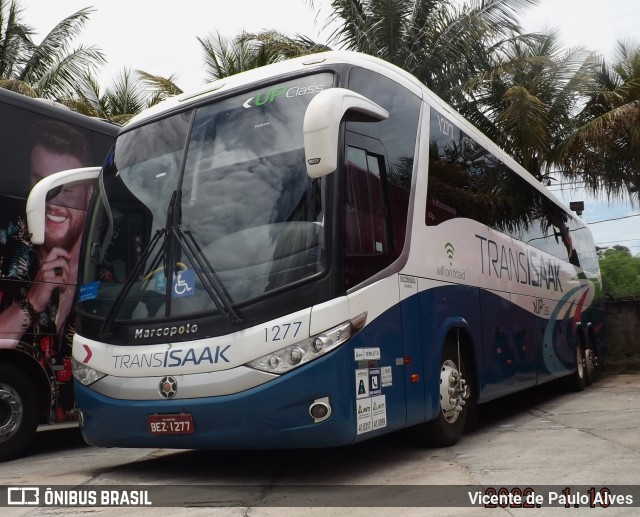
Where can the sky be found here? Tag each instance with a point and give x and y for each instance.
(160, 37)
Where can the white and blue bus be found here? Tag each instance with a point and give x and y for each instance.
(315, 253)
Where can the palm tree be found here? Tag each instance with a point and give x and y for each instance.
(127, 96)
(519, 89)
(603, 147)
(441, 42)
(159, 87)
(526, 97)
(224, 57)
(523, 90)
(50, 69)
(14, 41)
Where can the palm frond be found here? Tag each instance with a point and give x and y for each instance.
(15, 39)
(60, 78)
(15, 85)
(54, 53)
(225, 57)
(159, 87)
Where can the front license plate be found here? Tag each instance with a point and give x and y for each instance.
(171, 424)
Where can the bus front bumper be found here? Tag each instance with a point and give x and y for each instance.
(275, 415)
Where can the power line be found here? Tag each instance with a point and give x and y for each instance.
(569, 185)
(616, 242)
(613, 219)
(632, 246)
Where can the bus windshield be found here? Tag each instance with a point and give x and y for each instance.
(206, 209)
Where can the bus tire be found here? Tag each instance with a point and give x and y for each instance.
(18, 411)
(591, 360)
(578, 379)
(589, 367)
(455, 400)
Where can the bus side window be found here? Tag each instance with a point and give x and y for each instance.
(378, 175)
(366, 207)
(368, 229)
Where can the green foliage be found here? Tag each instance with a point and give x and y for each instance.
(444, 43)
(603, 147)
(224, 57)
(620, 273)
(51, 68)
(525, 97)
(126, 96)
(556, 110)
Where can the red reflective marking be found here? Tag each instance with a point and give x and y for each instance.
(89, 354)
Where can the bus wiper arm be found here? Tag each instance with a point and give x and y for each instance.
(175, 242)
(210, 281)
(105, 329)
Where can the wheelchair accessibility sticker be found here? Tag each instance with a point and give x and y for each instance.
(184, 284)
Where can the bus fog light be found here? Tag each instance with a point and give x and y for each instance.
(320, 410)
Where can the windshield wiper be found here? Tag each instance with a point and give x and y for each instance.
(203, 269)
(105, 329)
(175, 242)
(208, 276)
(174, 220)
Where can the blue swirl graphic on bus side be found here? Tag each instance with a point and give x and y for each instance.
(552, 361)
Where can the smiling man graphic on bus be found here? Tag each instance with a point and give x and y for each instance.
(36, 307)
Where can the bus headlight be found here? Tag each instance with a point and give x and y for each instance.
(300, 353)
(85, 374)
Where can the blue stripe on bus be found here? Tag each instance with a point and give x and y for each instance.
(511, 355)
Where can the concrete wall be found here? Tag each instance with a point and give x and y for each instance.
(623, 325)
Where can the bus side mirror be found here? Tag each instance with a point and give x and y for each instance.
(322, 126)
(47, 188)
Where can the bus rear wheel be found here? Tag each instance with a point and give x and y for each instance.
(18, 411)
(591, 360)
(455, 400)
(578, 379)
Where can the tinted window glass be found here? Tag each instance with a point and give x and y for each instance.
(208, 207)
(397, 133)
(466, 180)
(378, 171)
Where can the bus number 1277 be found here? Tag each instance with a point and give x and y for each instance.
(281, 332)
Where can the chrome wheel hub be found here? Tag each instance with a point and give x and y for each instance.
(10, 411)
(454, 391)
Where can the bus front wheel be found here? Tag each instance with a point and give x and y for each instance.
(455, 400)
(18, 411)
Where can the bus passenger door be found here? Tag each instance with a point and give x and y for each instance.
(373, 238)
